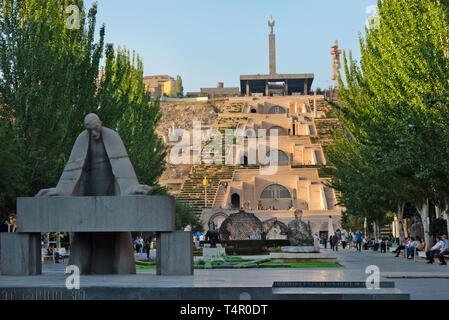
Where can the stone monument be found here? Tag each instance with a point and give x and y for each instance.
(100, 200)
(240, 226)
(99, 166)
(272, 46)
(300, 236)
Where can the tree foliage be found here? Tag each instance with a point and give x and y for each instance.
(179, 87)
(185, 216)
(49, 81)
(395, 109)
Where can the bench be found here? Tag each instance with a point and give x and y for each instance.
(50, 258)
(422, 254)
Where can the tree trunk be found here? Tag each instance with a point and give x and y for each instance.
(376, 230)
(400, 218)
(437, 212)
(446, 216)
(424, 213)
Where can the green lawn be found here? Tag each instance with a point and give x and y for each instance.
(148, 267)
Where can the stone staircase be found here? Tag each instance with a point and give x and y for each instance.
(193, 191)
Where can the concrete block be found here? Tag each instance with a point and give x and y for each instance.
(213, 252)
(174, 253)
(20, 254)
(298, 257)
(96, 214)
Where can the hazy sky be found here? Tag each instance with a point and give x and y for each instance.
(206, 41)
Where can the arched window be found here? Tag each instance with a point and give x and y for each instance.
(282, 157)
(276, 110)
(275, 191)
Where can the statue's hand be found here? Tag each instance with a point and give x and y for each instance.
(47, 193)
(139, 189)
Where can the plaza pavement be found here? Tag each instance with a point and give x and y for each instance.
(423, 281)
(354, 264)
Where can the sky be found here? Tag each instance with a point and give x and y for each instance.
(210, 41)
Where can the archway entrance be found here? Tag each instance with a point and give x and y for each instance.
(216, 220)
(244, 160)
(235, 201)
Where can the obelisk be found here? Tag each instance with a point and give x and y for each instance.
(272, 47)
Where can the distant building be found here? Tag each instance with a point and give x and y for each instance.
(159, 85)
(220, 90)
(274, 84)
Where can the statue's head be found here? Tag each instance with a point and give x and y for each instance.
(298, 213)
(93, 125)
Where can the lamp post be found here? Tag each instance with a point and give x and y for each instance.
(205, 183)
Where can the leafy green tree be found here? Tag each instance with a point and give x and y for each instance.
(126, 107)
(394, 102)
(48, 82)
(12, 178)
(179, 87)
(185, 216)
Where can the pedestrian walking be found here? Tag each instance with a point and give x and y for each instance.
(343, 240)
(358, 239)
(350, 240)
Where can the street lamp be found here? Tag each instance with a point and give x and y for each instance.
(205, 183)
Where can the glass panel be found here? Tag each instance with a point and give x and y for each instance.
(282, 156)
(268, 193)
(276, 110)
(275, 191)
(283, 193)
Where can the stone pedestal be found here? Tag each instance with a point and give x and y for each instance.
(174, 253)
(300, 249)
(101, 226)
(213, 252)
(20, 254)
(289, 257)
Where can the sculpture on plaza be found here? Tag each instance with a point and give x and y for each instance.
(299, 232)
(214, 237)
(240, 226)
(99, 166)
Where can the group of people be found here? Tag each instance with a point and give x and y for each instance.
(140, 245)
(349, 240)
(410, 245)
(356, 241)
(52, 251)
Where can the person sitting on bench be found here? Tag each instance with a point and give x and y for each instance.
(444, 251)
(401, 247)
(410, 248)
(435, 250)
